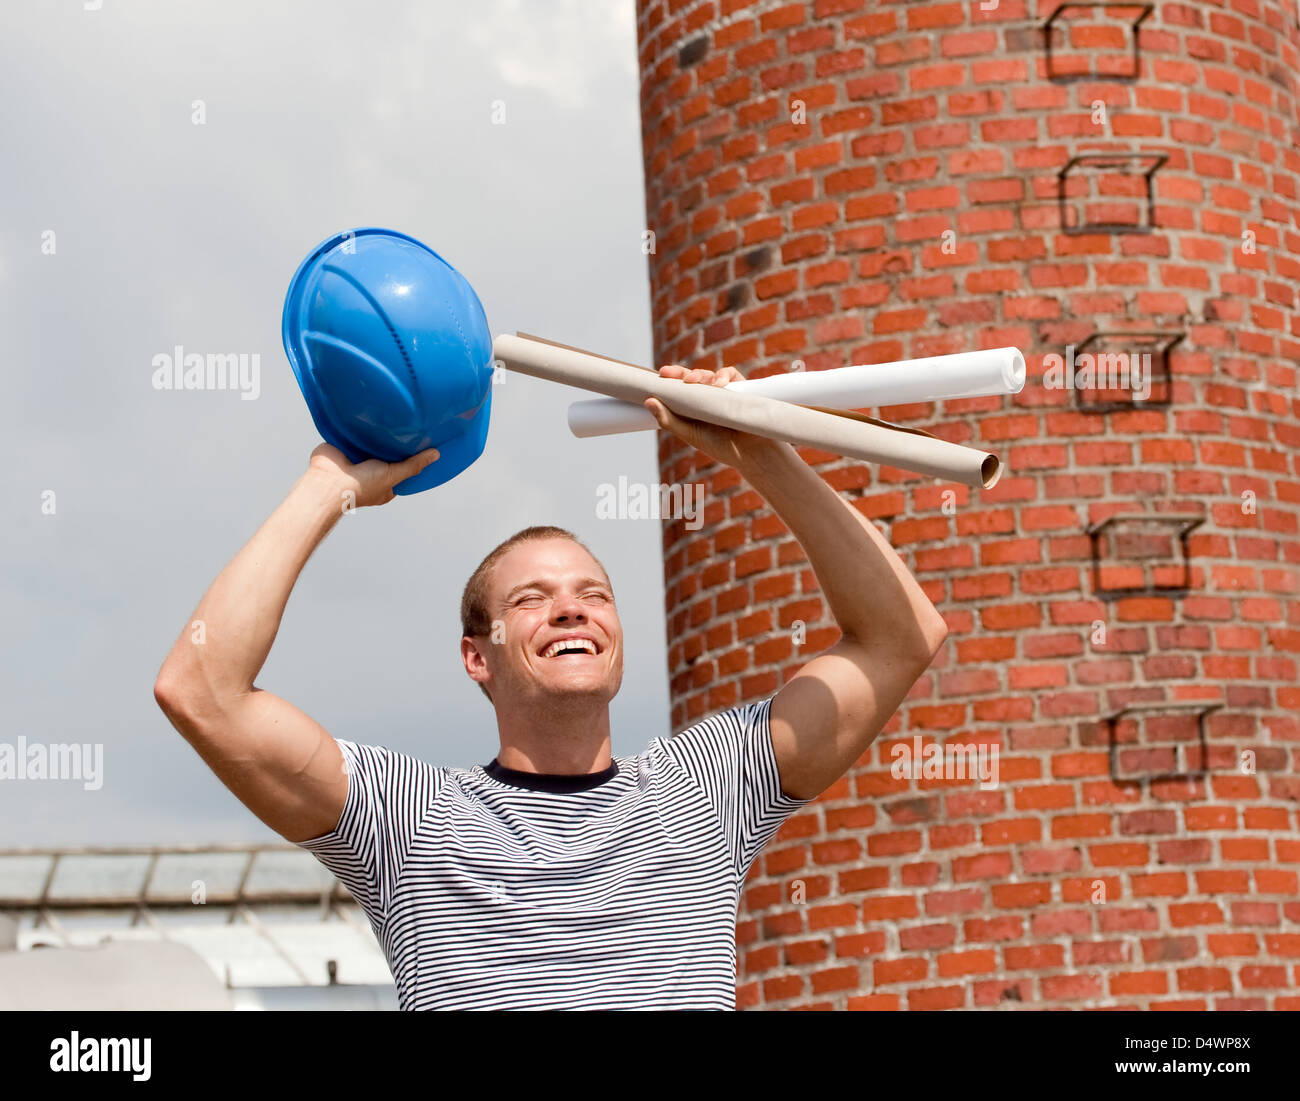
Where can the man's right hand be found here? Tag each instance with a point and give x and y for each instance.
(370, 482)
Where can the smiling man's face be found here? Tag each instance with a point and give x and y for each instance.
(558, 630)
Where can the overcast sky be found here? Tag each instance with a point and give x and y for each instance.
(319, 117)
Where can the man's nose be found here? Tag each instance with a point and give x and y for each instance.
(566, 607)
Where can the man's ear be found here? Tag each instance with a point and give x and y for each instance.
(471, 653)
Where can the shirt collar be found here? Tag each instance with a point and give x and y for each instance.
(556, 783)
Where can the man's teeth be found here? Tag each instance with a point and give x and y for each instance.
(563, 644)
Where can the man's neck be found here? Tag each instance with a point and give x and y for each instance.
(564, 738)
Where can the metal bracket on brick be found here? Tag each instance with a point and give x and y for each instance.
(1122, 160)
(1062, 71)
(1159, 761)
(1156, 344)
(1185, 522)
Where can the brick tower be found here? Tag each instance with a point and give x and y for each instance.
(862, 181)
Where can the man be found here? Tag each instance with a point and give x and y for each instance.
(557, 876)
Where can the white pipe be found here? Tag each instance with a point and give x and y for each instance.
(963, 375)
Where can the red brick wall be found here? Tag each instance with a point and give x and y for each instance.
(824, 241)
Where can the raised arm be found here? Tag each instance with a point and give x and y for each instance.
(279, 762)
(829, 712)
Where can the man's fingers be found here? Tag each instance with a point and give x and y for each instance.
(667, 419)
(658, 411)
(724, 377)
(408, 468)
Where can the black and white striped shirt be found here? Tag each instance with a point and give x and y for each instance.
(612, 891)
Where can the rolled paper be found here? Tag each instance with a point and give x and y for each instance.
(851, 435)
(962, 375)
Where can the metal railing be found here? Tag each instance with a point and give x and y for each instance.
(245, 891)
(56, 889)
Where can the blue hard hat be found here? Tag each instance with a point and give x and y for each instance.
(391, 349)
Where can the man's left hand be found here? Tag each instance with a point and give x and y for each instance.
(723, 445)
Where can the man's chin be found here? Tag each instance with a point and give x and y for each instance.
(578, 688)
(591, 684)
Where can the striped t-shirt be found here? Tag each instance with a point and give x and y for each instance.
(617, 890)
